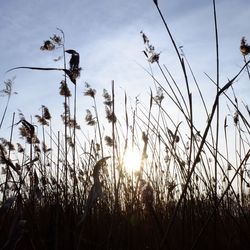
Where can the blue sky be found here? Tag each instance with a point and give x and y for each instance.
(107, 35)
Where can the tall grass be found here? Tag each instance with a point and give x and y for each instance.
(71, 189)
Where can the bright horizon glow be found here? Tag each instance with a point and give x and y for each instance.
(132, 161)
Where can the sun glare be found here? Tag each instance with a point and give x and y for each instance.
(132, 160)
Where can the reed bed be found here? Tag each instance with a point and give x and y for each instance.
(71, 189)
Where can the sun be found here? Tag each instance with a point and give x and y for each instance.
(132, 160)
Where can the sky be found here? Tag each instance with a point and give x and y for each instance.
(106, 33)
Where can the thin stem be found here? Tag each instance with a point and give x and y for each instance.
(221, 198)
(8, 170)
(217, 118)
(74, 147)
(98, 126)
(5, 110)
(65, 124)
(113, 146)
(196, 160)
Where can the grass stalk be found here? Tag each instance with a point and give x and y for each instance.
(217, 116)
(196, 160)
(7, 167)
